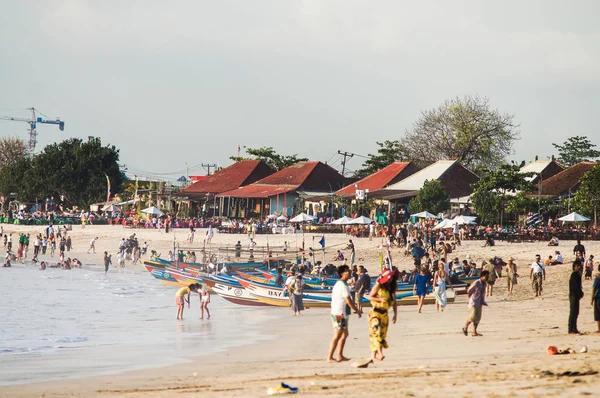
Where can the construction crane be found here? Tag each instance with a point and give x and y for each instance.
(32, 125)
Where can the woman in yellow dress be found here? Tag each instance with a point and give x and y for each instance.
(382, 297)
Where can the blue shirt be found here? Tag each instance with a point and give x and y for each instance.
(596, 286)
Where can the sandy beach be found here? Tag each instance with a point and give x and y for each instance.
(428, 354)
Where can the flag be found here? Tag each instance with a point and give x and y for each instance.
(108, 188)
(322, 241)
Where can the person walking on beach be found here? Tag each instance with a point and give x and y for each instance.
(511, 275)
(362, 286)
(209, 233)
(204, 302)
(596, 299)
(491, 268)
(93, 245)
(238, 249)
(69, 243)
(44, 245)
(537, 275)
(575, 294)
(297, 290)
(421, 286)
(579, 248)
(382, 297)
(440, 280)
(107, 262)
(352, 251)
(180, 298)
(476, 295)
(341, 306)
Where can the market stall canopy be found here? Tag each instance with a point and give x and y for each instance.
(111, 207)
(361, 220)
(282, 218)
(574, 217)
(153, 210)
(342, 221)
(461, 220)
(424, 214)
(302, 217)
(445, 223)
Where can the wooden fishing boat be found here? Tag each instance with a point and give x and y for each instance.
(233, 294)
(162, 274)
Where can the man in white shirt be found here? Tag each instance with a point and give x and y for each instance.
(93, 245)
(538, 275)
(289, 282)
(341, 304)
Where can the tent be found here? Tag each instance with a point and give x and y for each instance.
(461, 220)
(302, 217)
(282, 218)
(361, 220)
(445, 223)
(424, 214)
(574, 217)
(111, 208)
(342, 221)
(153, 210)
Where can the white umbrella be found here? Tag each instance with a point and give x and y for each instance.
(574, 217)
(302, 217)
(271, 216)
(445, 223)
(111, 207)
(281, 218)
(361, 220)
(461, 220)
(424, 214)
(342, 221)
(153, 210)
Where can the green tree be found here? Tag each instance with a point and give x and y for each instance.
(466, 129)
(269, 156)
(431, 197)
(75, 171)
(587, 197)
(493, 192)
(575, 150)
(388, 153)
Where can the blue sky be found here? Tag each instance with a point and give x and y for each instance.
(184, 82)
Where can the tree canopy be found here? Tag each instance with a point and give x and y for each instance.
(388, 153)
(268, 155)
(12, 150)
(466, 129)
(587, 198)
(431, 197)
(575, 150)
(497, 188)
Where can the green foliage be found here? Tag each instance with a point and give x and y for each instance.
(74, 169)
(496, 190)
(388, 153)
(575, 150)
(431, 197)
(269, 156)
(466, 129)
(587, 198)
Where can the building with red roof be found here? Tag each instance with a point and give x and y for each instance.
(282, 191)
(565, 183)
(391, 174)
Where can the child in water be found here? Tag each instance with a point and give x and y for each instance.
(180, 299)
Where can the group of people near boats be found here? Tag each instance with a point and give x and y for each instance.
(183, 296)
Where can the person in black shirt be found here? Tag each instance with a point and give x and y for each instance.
(579, 248)
(279, 277)
(362, 286)
(575, 294)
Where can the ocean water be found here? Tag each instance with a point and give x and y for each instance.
(58, 324)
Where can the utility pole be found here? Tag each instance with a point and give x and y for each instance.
(208, 166)
(345, 155)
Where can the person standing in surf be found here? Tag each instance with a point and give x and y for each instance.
(341, 306)
(180, 298)
(107, 262)
(204, 301)
(382, 297)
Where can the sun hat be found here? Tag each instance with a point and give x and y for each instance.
(511, 259)
(386, 275)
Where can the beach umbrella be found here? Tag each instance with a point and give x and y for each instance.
(574, 217)
(302, 217)
(445, 223)
(271, 216)
(361, 220)
(342, 221)
(111, 207)
(282, 218)
(424, 214)
(461, 220)
(153, 210)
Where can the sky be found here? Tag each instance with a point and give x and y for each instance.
(178, 84)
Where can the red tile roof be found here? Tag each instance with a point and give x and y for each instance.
(381, 179)
(564, 181)
(238, 174)
(305, 176)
